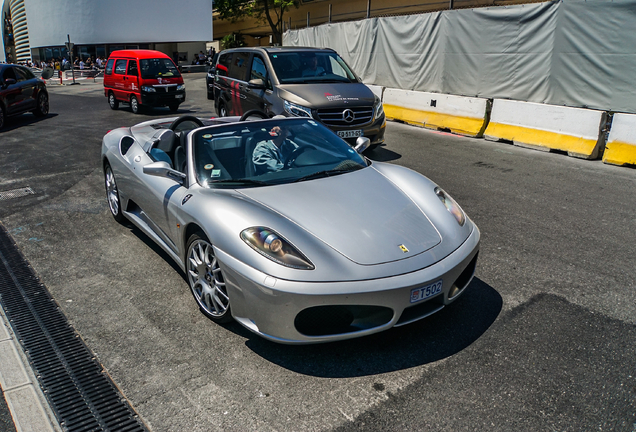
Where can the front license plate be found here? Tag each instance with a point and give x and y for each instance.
(350, 133)
(422, 293)
(179, 96)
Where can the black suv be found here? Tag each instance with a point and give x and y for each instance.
(301, 82)
(21, 91)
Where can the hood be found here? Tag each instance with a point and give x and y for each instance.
(359, 214)
(328, 95)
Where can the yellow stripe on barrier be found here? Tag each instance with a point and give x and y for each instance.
(619, 153)
(575, 146)
(435, 120)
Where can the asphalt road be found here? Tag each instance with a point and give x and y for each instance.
(543, 340)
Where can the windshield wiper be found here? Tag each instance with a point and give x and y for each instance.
(327, 173)
(242, 181)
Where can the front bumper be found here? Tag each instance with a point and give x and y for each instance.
(295, 312)
(159, 99)
(374, 131)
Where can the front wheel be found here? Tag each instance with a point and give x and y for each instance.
(1, 116)
(112, 194)
(112, 101)
(134, 105)
(206, 280)
(222, 110)
(42, 108)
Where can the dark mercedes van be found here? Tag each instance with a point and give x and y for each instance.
(301, 82)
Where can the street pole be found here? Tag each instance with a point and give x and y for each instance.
(69, 46)
(330, 12)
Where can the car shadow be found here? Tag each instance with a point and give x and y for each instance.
(382, 154)
(157, 111)
(11, 123)
(437, 337)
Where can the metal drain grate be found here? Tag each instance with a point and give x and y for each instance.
(80, 393)
(15, 193)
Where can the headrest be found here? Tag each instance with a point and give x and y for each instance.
(166, 140)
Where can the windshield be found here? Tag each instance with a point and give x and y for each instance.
(158, 68)
(310, 67)
(268, 152)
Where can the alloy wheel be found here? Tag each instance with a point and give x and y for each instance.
(112, 194)
(206, 280)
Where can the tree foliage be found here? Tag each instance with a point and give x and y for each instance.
(233, 40)
(269, 11)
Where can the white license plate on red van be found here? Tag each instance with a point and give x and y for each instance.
(350, 133)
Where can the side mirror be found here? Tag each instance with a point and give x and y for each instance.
(8, 82)
(162, 169)
(362, 143)
(256, 83)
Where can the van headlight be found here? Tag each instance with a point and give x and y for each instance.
(378, 109)
(148, 89)
(297, 110)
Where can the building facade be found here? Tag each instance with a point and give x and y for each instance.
(39, 29)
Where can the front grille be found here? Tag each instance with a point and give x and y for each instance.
(341, 319)
(335, 117)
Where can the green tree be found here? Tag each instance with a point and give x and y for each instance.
(269, 11)
(233, 40)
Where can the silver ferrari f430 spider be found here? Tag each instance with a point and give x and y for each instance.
(281, 225)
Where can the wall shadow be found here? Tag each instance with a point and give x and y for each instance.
(448, 332)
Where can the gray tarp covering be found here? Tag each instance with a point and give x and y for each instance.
(579, 54)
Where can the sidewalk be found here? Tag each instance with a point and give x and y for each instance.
(25, 401)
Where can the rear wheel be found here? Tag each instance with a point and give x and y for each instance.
(134, 104)
(112, 194)
(206, 280)
(222, 110)
(1, 116)
(42, 108)
(114, 103)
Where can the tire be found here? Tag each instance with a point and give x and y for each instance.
(206, 280)
(222, 110)
(112, 101)
(42, 107)
(134, 105)
(2, 116)
(210, 95)
(173, 107)
(112, 194)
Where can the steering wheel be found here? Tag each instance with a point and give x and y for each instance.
(297, 152)
(253, 113)
(183, 119)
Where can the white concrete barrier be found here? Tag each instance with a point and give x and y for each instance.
(377, 90)
(621, 144)
(547, 127)
(462, 115)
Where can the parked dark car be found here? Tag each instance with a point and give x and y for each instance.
(209, 78)
(20, 92)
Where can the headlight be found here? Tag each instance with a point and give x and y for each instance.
(451, 206)
(148, 89)
(379, 108)
(273, 246)
(181, 87)
(297, 110)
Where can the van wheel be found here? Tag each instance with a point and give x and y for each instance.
(222, 111)
(134, 104)
(114, 103)
(173, 107)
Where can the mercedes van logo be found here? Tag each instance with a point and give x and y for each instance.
(348, 116)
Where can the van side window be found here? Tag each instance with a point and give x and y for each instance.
(259, 71)
(109, 67)
(238, 68)
(225, 60)
(120, 66)
(132, 68)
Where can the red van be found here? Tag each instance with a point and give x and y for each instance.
(143, 78)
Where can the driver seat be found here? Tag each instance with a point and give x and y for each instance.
(250, 145)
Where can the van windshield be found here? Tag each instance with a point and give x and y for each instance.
(311, 67)
(158, 68)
